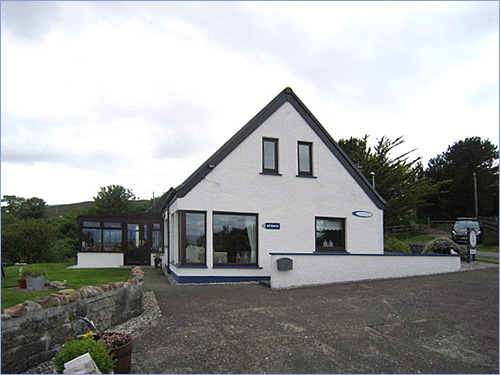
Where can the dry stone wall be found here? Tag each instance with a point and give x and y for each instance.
(33, 332)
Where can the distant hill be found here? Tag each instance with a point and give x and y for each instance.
(61, 209)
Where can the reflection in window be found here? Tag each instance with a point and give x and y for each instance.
(235, 239)
(192, 235)
(133, 236)
(112, 239)
(91, 239)
(330, 234)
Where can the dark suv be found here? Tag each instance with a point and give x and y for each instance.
(459, 231)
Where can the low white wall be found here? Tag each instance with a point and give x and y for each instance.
(317, 269)
(99, 260)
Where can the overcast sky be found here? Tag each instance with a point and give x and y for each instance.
(139, 94)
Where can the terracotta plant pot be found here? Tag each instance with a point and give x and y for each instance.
(22, 283)
(123, 356)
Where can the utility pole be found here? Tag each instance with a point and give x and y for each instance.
(475, 196)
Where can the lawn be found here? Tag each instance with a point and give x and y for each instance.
(75, 278)
(490, 260)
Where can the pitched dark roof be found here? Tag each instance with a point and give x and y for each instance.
(287, 95)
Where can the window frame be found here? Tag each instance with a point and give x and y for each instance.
(310, 145)
(274, 170)
(182, 237)
(243, 265)
(336, 249)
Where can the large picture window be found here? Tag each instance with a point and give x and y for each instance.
(304, 150)
(192, 237)
(235, 239)
(269, 155)
(101, 236)
(330, 234)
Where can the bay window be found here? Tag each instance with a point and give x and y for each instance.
(192, 237)
(235, 239)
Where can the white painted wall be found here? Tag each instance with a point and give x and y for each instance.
(99, 260)
(236, 185)
(315, 269)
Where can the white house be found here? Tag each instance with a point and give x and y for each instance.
(280, 184)
(279, 201)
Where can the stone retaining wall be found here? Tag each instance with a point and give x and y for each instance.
(33, 332)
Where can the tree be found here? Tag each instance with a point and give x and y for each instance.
(32, 208)
(114, 199)
(457, 166)
(27, 241)
(399, 180)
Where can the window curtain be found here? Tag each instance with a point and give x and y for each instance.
(323, 225)
(304, 162)
(252, 238)
(269, 157)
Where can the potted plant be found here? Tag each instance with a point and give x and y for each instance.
(119, 345)
(76, 347)
(158, 261)
(35, 277)
(22, 279)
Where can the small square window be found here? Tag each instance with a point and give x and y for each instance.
(330, 234)
(304, 151)
(269, 155)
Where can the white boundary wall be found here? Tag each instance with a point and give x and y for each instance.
(100, 260)
(319, 269)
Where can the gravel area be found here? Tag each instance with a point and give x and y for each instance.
(149, 317)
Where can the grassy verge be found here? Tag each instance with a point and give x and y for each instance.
(490, 260)
(75, 278)
(488, 248)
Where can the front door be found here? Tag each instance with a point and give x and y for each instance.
(137, 250)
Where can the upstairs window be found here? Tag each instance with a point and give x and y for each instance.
(269, 155)
(304, 151)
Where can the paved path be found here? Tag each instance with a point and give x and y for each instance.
(433, 324)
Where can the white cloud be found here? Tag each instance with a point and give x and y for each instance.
(141, 93)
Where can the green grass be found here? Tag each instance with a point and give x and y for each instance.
(75, 278)
(488, 248)
(491, 260)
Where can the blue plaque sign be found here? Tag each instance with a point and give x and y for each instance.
(271, 225)
(364, 214)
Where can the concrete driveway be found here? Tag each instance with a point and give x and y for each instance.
(433, 324)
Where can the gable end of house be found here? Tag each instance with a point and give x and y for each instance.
(287, 95)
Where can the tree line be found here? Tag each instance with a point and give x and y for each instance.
(442, 190)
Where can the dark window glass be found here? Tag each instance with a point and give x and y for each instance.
(157, 241)
(112, 239)
(192, 235)
(330, 234)
(235, 239)
(112, 225)
(270, 155)
(305, 158)
(91, 239)
(91, 224)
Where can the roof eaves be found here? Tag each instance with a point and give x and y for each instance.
(344, 159)
(231, 144)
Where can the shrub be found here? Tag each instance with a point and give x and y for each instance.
(76, 347)
(443, 245)
(393, 245)
(27, 241)
(33, 270)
